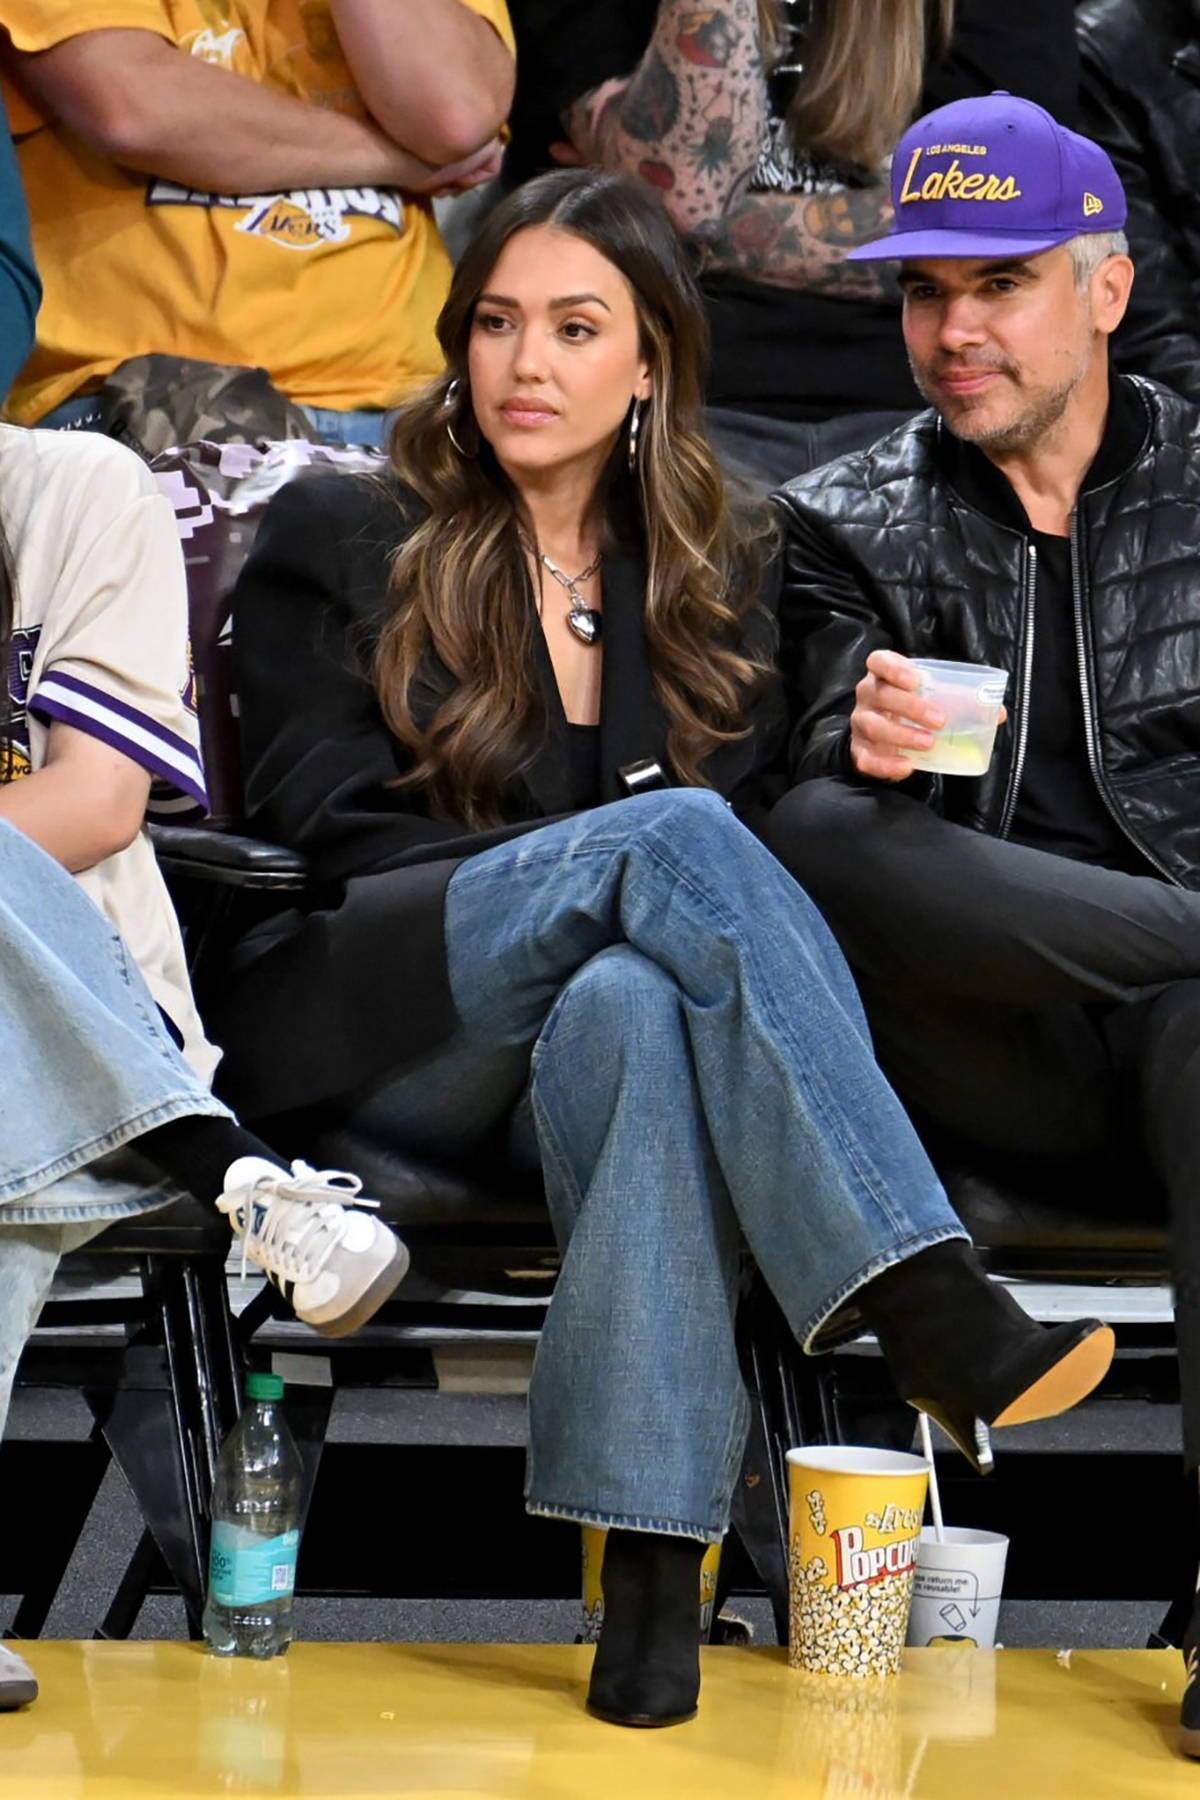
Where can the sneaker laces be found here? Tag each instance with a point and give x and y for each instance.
(298, 1253)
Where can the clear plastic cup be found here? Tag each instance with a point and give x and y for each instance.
(970, 696)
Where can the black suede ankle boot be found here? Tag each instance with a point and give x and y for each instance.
(961, 1349)
(647, 1667)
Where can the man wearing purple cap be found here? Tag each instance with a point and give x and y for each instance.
(1027, 943)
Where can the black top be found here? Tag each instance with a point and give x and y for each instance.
(352, 983)
(788, 354)
(784, 351)
(583, 750)
(1059, 806)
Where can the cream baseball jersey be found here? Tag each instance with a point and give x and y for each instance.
(100, 643)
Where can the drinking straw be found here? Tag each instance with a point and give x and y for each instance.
(935, 1498)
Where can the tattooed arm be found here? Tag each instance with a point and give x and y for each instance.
(692, 120)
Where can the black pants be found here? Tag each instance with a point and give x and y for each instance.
(1021, 1001)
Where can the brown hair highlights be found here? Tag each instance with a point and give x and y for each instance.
(461, 595)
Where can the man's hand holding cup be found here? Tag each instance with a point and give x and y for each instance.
(889, 716)
(900, 716)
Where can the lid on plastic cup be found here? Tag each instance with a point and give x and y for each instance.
(264, 1387)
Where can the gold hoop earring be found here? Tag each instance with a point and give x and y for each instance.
(635, 426)
(448, 405)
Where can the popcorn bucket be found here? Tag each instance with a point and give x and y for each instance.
(594, 1538)
(855, 1522)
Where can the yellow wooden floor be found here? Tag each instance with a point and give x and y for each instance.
(334, 1720)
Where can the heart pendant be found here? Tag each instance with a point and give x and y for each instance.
(584, 621)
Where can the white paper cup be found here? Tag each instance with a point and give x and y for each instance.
(970, 695)
(957, 1587)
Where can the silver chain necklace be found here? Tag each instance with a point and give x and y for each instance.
(584, 621)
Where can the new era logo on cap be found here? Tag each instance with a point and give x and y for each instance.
(995, 176)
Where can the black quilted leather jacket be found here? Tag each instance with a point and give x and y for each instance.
(1140, 98)
(903, 546)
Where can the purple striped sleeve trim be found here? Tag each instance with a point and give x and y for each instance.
(56, 680)
(186, 777)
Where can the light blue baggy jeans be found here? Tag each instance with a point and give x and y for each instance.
(88, 1067)
(653, 1010)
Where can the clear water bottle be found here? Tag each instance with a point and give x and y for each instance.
(255, 1530)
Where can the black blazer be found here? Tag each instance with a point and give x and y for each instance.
(352, 985)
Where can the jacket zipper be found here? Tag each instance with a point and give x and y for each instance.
(1091, 737)
(1029, 577)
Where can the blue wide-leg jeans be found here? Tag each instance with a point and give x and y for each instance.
(88, 1067)
(656, 1012)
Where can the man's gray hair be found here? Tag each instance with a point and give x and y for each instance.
(1089, 250)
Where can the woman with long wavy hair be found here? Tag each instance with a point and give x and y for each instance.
(511, 700)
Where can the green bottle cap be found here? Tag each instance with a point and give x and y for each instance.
(264, 1387)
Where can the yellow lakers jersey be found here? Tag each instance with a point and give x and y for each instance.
(334, 291)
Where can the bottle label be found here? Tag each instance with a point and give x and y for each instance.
(245, 1569)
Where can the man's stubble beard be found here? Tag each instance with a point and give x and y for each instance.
(1015, 434)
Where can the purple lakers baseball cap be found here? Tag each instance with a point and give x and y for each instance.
(995, 176)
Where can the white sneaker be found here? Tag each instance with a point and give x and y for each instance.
(333, 1262)
(18, 1683)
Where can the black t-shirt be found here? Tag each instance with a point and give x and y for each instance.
(583, 750)
(1059, 806)
(786, 354)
